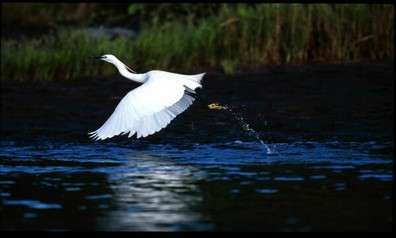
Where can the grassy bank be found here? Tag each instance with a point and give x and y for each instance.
(231, 38)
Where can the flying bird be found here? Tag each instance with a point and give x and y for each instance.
(150, 107)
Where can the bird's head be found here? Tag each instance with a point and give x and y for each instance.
(108, 58)
(113, 60)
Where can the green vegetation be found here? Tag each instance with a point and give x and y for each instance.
(66, 56)
(208, 37)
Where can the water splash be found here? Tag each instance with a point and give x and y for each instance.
(245, 126)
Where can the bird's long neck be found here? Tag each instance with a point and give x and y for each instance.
(122, 68)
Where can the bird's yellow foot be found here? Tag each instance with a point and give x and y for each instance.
(216, 106)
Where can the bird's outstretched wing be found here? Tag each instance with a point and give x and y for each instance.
(146, 109)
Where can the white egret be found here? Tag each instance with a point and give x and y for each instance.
(151, 106)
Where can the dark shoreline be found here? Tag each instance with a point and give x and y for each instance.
(353, 101)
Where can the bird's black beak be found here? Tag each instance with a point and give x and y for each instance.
(98, 57)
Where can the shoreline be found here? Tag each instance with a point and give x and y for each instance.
(303, 102)
(318, 67)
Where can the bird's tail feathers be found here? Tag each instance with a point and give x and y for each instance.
(194, 81)
(198, 77)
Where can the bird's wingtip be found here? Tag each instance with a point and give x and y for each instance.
(94, 136)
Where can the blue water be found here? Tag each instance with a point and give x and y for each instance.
(167, 187)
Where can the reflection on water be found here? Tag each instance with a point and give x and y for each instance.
(225, 186)
(154, 193)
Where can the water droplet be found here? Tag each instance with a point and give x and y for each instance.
(246, 127)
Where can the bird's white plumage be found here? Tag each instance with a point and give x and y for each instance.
(150, 107)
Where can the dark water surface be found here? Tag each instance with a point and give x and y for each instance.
(330, 127)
